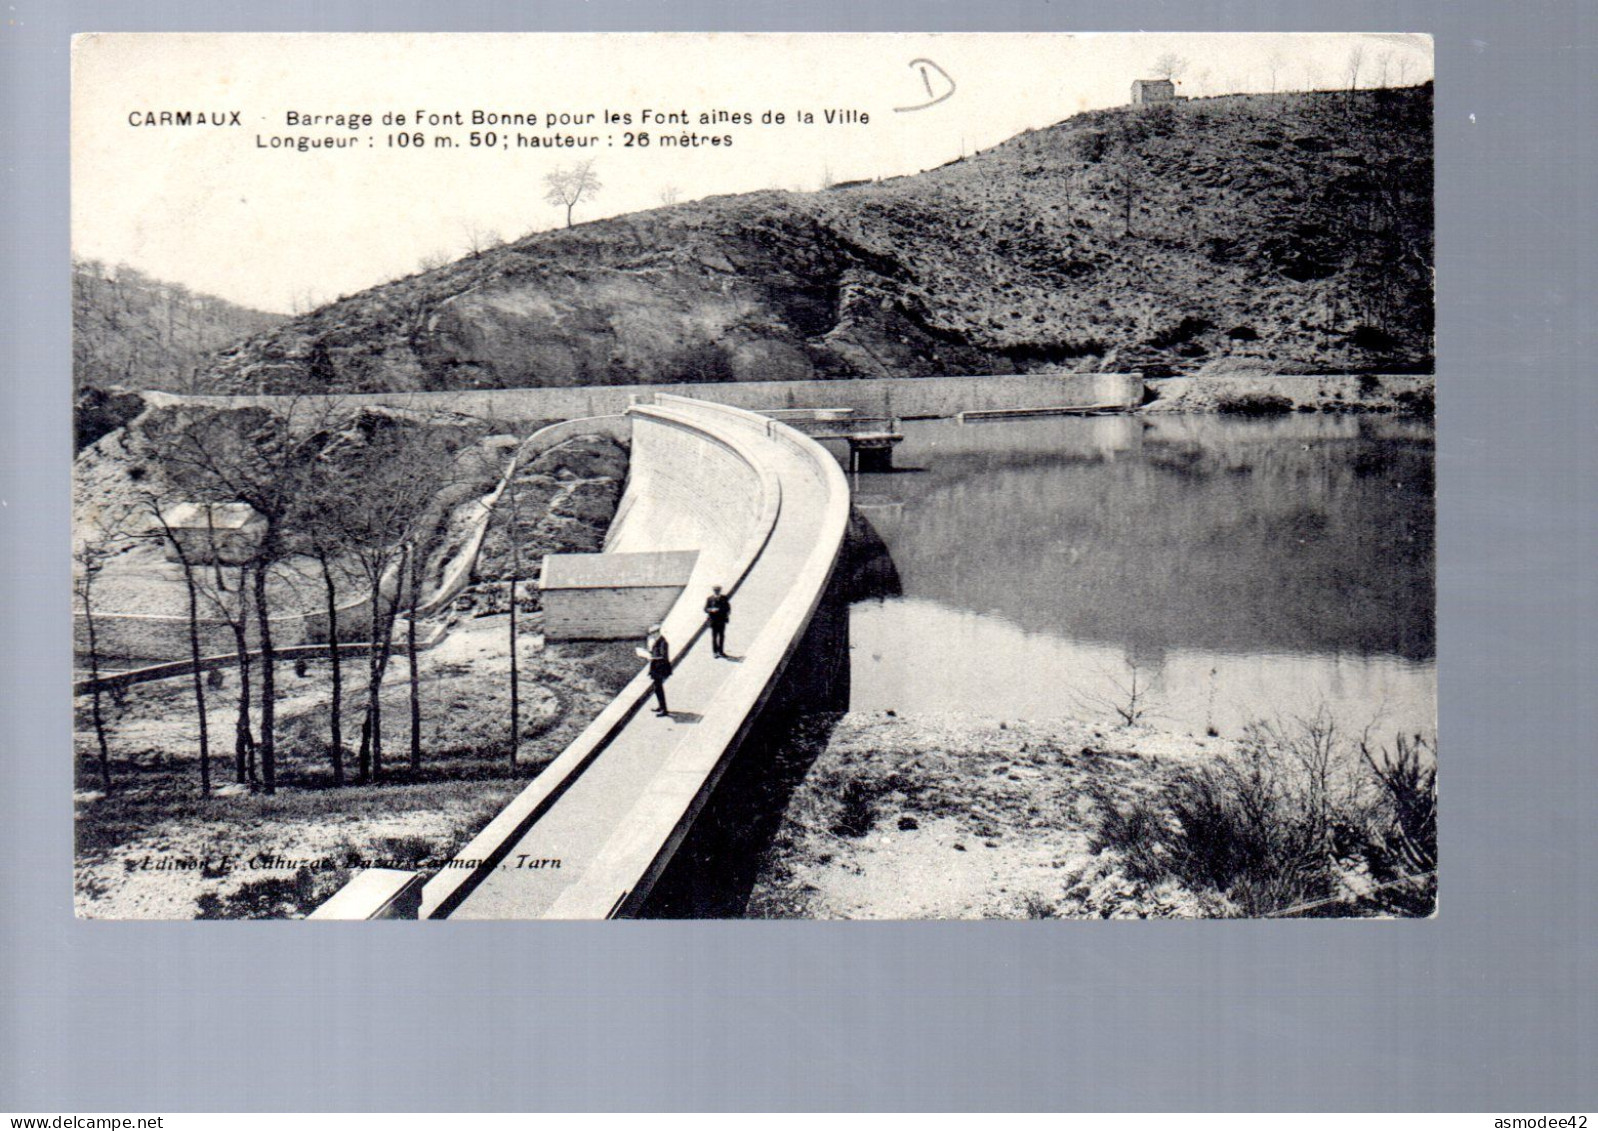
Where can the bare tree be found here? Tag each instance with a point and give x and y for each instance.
(413, 560)
(670, 194)
(171, 540)
(1356, 58)
(228, 603)
(252, 456)
(1070, 182)
(1274, 62)
(326, 556)
(233, 608)
(569, 187)
(1170, 66)
(1129, 171)
(1127, 697)
(90, 560)
(433, 260)
(515, 535)
(399, 469)
(1134, 694)
(325, 508)
(1384, 66)
(304, 301)
(480, 239)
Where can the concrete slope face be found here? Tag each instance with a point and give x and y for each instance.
(766, 508)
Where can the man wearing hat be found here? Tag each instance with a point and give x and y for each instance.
(658, 653)
(718, 608)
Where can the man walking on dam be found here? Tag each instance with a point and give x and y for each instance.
(718, 607)
(658, 653)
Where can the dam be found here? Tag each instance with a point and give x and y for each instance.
(766, 508)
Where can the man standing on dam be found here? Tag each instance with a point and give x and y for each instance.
(718, 607)
(658, 653)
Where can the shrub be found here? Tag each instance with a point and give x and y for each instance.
(1420, 402)
(1185, 330)
(1235, 366)
(857, 810)
(1373, 338)
(1409, 778)
(1277, 823)
(1253, 404)
(275, 897)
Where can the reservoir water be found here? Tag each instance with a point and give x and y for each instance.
(1234, 568)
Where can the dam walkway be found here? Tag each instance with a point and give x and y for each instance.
(766, 508)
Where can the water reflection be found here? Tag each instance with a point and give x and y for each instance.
(1247, 567)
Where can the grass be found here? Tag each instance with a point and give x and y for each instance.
(410, 818)
(1287, 820)
(1276, 226)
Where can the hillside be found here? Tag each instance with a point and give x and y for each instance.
(1292, 229)
(132, 331)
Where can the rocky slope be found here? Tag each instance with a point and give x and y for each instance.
(1292, 229)
(135, 332)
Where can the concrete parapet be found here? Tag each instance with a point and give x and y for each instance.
(657, 434)
(375, 893)
(904, 397)
(804, 556)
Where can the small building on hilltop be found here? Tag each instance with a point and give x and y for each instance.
(229, 533)
(1146, 91)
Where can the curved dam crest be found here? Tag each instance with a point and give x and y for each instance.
(767, 509)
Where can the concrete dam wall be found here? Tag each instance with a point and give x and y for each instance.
(766, 509)
(903, 397)
(687, 490)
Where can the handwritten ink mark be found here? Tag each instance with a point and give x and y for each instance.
(927, 65)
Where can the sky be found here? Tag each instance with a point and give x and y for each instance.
(221, 211)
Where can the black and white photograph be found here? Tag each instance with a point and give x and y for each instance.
(726, 476)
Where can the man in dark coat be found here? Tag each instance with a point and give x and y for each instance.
(718, 607)
(658, 653)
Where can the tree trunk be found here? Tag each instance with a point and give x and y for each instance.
(243, 741)
(192, 591)
(199, 679)
(515, 666)
(515, 680)
(336, 726)
(382, 649)
(414, 575)
(1127, 186)
(263, 622)
(370, 718)
(94, 684)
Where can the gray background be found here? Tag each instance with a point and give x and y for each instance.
(1488, 1007)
